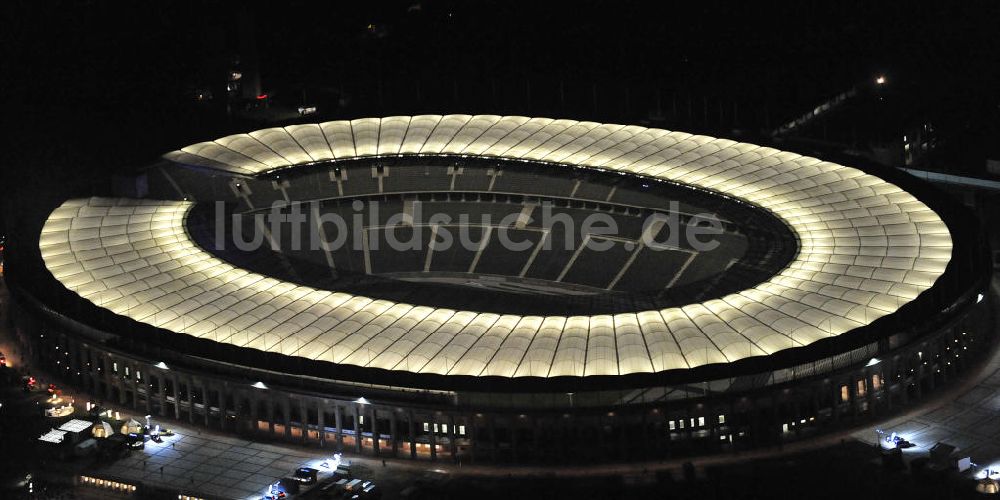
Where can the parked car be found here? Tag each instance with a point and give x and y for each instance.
(305, 475)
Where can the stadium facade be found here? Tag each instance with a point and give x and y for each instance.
(833, 295)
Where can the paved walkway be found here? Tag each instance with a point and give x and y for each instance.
(215, 465)
(969, 419)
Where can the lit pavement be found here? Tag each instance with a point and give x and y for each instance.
(968, 419)
(214, 465)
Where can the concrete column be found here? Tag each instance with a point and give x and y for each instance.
(493, 437)
(433, 439)
(121, 382)
(190, 399)
(888, 381)
(655, 433)
(413, 435)
(94, 374)
(600, 432)
(870, 393)
(135, 387)
(254, 411)
(756, 432)
(321, 422)
(852, 389)
(221, 389)
(689, 426)
(148, 391)
(515, 424)
(81, 366)
(270, 415)
(98, 375)
(79, 370)
(375, 432)
(340, 427)
(102, 376)
(814, 392)
(451, 438)
(287, 417)
(304, 415)
(357, 429)
(470, 434)
(904, 372)
(393, 432)
(919, 379)
(109, 380)
(162, 379)
(836, 400)
(177, 396)
(777, 414)
(192, 402)
(108, 377)
(126, 383)
(67, 370)
(76, 364)
(94, 378)
(88, 370)
(647, 440)
(206, 400)
(618, 422)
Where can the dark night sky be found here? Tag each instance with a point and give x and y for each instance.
(102, 86)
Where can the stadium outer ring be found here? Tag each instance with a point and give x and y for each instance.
(49, 317)
(933, 266)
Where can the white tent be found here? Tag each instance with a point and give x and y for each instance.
(132, 427)
(102, 430)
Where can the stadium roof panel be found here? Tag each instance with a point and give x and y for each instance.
(866, 249)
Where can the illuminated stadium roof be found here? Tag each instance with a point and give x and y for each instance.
(866, 248)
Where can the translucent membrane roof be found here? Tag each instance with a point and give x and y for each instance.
(866, 249)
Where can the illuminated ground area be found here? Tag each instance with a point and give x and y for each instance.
(210, 465)
(970, 421)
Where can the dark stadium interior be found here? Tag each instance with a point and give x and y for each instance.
(750, 250)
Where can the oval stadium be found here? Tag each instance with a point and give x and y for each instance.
(506, 289)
